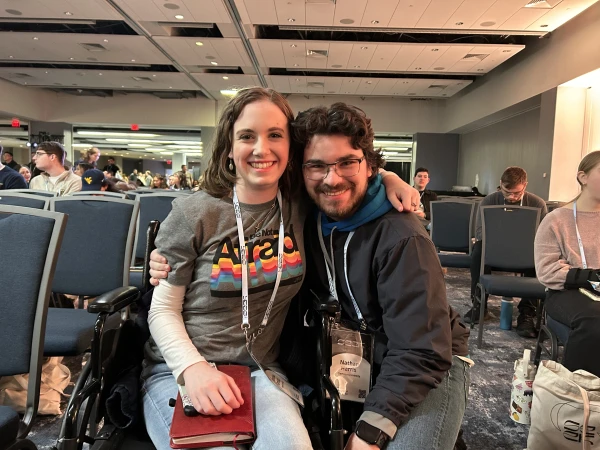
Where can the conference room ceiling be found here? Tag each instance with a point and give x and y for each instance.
(198, 48)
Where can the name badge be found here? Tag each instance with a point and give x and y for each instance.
(351, 363)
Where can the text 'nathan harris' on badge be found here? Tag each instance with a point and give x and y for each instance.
(351, 363)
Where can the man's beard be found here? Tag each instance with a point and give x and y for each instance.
(333, 209)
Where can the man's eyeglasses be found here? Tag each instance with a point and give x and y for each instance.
(345, 168)
(40, 153)
(511, 194)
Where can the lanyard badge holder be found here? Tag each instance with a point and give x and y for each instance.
(595, 285)
(351, 349)
(275, 378)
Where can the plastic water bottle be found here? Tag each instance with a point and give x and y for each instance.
(506, 313)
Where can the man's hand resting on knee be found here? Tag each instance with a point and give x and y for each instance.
(212, 392)
(159, 269)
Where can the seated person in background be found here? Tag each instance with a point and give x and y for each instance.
(7, 157)
(50, 157)
(112, 167)
(82, 167)
(512, 192)
(565, 264)
(419, 397)
(10, 178)
(26, 173)
(159, 182)
(421, 181)
(94, 180)
(196, 313)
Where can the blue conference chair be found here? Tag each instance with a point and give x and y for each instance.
(24, 200)
(451, 229)
(28, 259)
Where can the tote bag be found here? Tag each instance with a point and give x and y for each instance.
(565, 412)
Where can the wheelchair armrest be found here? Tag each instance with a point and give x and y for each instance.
(114, 300)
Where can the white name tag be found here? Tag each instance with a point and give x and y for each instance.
(351, 363)
(285, 386)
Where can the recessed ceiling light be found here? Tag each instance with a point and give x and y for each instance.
(417, 68)
(351, 81)
(133, 60)
(25, 82)
(293, 46)
(199, 44)
(226, 78)
(506, 51)
(170, 87)
(105, 40)
(179, 17)
(543, 26)
(10, 57)
(460, 23)
(357, 67)
(100, 73)
(364, 48)
(295, 65)
(68, 13)
(46, 71)
(369, 82)
(71, 58)
(154, 75)
(36, 38)
(435, 49)
(374, 22)
(127, 153)
(291, 20)
(122, 86)
(214, 63)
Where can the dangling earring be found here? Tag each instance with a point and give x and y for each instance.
(231, 165)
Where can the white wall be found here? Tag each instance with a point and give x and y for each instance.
(488, 151)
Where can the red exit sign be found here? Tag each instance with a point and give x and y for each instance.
(16, 123)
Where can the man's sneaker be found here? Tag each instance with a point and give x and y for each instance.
(472, 315)
(526, 326)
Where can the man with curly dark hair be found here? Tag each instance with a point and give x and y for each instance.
(383, 268)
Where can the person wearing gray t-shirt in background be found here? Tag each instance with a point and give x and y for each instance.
(512, 192)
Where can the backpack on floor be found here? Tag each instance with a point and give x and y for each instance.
(565, 412)
(54, 379)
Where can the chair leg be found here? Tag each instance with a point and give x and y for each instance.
(482, 305)
(538, 347)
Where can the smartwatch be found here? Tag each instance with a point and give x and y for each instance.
(370, 434)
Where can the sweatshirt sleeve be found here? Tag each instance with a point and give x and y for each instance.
(550, 266)
(412, 295)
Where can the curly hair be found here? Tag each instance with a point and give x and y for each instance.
(218, 180)
(338, 119)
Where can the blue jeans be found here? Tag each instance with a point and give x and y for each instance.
(278, 421)
(434, 424)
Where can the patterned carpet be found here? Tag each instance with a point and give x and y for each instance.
(486, 425)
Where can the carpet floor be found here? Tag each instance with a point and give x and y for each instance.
(486, 425)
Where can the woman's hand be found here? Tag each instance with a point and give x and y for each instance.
(212, 392)
(159, 268)
(402, 196)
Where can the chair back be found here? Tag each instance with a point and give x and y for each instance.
(23, 200)
(96, 252)
(508, 233)
(36, 192)
(28, 259)
(451, 224)
(152, 207)
(99, 193)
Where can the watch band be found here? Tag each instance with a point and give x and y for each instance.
(370, 434)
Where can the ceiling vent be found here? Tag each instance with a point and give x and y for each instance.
(542, 4)
(437, 86)
(142, 79)
(317, 53)
(20, 75)
(475, 57)
(92, 47)
(315, 84)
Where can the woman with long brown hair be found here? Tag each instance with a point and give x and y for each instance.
(567, 262)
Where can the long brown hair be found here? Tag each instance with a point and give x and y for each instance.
(586, 165)
(218, 180)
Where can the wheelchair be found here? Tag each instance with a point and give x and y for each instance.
(91, 418)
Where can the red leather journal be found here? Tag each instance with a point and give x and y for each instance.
(213, 431)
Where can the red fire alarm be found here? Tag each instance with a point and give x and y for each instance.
(16, 123)
(135, 127)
